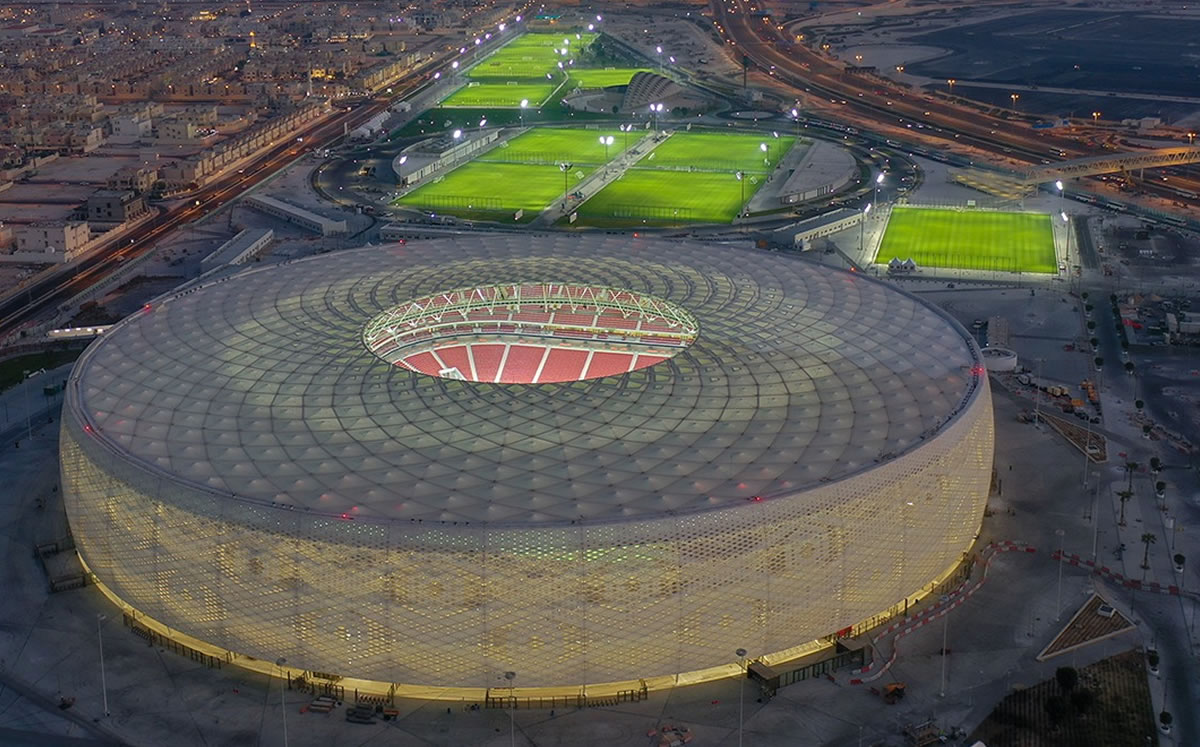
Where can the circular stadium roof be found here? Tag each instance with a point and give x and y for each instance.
(260, 387)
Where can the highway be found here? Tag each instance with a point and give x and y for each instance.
(874, 102)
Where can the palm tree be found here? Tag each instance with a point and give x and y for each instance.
(1148, 539)
(1130, 468)
(1124, 495)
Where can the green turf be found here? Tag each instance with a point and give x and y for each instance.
(970, 240)
(529, 56)
(497, 94)
(647, 197)
(618, 76)
(720, 151)
(493, 190)
(553, 145)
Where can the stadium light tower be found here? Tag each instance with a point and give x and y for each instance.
(606, 140)
(1059, 186)
(1067, 222)
(796, 119)
(741, 177)
(878, 183)
(766, 158)
(655, 110)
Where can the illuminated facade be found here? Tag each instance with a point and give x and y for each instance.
(238, 465)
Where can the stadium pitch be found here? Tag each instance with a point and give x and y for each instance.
(719, 151)
(602, 78)
(970, 240)
(648, 197)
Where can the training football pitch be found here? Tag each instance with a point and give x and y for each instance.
(493, 191)
(500, 95)
(530, 56)
(602, 78)
(970, 240)
(719, 151)
(555, 146)
(648, 197)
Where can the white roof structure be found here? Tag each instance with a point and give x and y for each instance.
(259, 387)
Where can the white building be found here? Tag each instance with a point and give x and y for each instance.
(52, 242)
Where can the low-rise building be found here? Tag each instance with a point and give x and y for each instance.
(53, 241)
(115, 206)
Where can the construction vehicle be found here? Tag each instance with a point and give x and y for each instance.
(893, 692)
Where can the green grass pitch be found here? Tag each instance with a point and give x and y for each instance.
(970, 240)
(501, 95)
(584, 78)
(529, 56)
(491, 190)
(718, 151)
(553, 146)
(647, 197)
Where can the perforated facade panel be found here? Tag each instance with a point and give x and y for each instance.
(238, 466)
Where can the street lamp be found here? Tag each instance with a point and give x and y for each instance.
(950, 84)
(103, 683)
(878, 183)
(606, 140)
(512, 707)
(862, 225)
(1095, 117)
(482, 122)
(1058, 608)
(454, 65)
(524, 104)
(1014, 97)
(741, 653)
(566, 170)
(1059, 186)
(1067, 258)
(796, 119)
(763, 148)
(456, 134)
(655, 110)
(1191, 136)
(282, 703)
(658, 51)
(741, 177)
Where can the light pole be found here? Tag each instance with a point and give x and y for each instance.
(1014, 97)
(606, 140)
(950, 84)
(512, 707)
(741, 653)
(282, 691)
(1067, 259)
(103, 682)
(1095, 118)
(626, 128)
(945, 636)
(658, 51)
(878, 183)
(28, 412)
(796, 119)
(524, 104)
(1058, 607)
(566, 170)
(655, 110)
(767, 157)
(741, 177)
(862, 226)
(1191, 138)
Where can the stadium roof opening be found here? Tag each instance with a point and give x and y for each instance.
(530, 333)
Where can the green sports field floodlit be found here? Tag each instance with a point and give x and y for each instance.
(718, 151)
(553, 146)
(602, 78)
(970, 240)
(530, 56)
(501, 95)
(656, 198)
(494, 191)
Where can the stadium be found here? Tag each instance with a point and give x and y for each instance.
(587, 461)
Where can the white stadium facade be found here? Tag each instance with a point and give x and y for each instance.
(588, 461)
